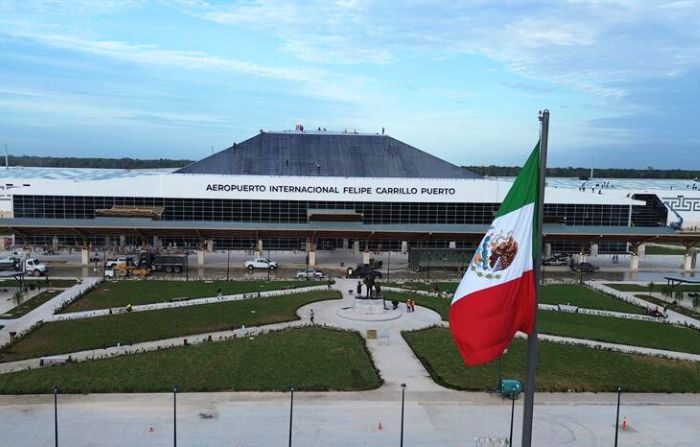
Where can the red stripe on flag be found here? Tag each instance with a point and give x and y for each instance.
(484, 322)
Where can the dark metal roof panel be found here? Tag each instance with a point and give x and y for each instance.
(326, 154)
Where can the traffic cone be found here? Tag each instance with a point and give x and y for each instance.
(380, 427)
(624, 423)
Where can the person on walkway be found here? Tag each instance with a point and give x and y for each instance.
(311, 316)
(413, 305)
(359, 288)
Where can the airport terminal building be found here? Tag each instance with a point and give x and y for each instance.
(306, 190)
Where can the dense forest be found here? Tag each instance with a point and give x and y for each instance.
(511, 171)
(102, 163)
(492, 171)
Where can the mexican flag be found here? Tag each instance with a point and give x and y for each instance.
(496, 297)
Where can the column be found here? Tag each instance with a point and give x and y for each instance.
(54, 242)
(200, 258)
(210, 245)
(156, 243)
(345, 244)
(641, 250)
(634, 261)
(312, 258)
(453, 244)
(356, 247)
(547, 249)
(122, 241)
(365, 257)
(84, 256)
(260, 245)
(594, 249)
(404, 247)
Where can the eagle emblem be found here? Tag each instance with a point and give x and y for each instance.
(495, 253)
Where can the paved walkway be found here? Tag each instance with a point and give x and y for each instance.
(673, 317)
(46, 310)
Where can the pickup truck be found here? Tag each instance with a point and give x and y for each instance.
(118, 261)
(32, 265)
(260, 263)
(309, 274)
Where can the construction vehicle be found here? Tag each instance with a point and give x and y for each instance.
(139, 268)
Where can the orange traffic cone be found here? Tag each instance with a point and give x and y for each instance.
(624, 423)
(380, 427)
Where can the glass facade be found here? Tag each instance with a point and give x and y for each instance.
(280, 211)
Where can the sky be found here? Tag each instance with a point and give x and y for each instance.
(462, 80)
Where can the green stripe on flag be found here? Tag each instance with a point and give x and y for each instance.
(524, 189)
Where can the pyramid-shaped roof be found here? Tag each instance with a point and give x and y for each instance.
(326, 154)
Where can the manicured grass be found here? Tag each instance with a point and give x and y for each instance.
(582, 296)
(573, 294)
(618, 330)
(311, 358)
(448, 287)
(31, 304)
(120, 293)
(559, 367)
(680, 309)
(93, 333)
(657, 250)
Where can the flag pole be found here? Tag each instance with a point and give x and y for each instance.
(532, 338)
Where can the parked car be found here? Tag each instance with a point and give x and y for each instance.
(555, 260)
(585, 267)
(309, 274)
(362, 271)
(260, 263)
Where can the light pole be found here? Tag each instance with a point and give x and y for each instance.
(291, 413)
(388, 266)
(55, 415)
(512, 413)
(228, 264)
(174, 415)
(187, 266)
(580, 268)
(500, 370)
(403, 399)
(268, 258)
(617, 416)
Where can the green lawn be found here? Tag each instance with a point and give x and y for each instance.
(657, 250)
(582, 296)
(680, 309)
(312, 359)
(120, 293)
(31, 304)
(617, 330)
(559, 367)
(448, 287)
(92, 333)
(574, 294)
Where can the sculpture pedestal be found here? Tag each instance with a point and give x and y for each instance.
(369, 309)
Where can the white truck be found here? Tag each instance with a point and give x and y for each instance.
(31, 265)
(260, 263)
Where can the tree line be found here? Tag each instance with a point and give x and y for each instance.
(97, 163)
(651, 173)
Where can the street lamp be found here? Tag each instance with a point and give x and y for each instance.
(580, 268)
(617, 416)
(512, 413)
(174, 416)
(388, 266)
(291, 413)
(403, 399)
(55, 415)
(228, 264)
